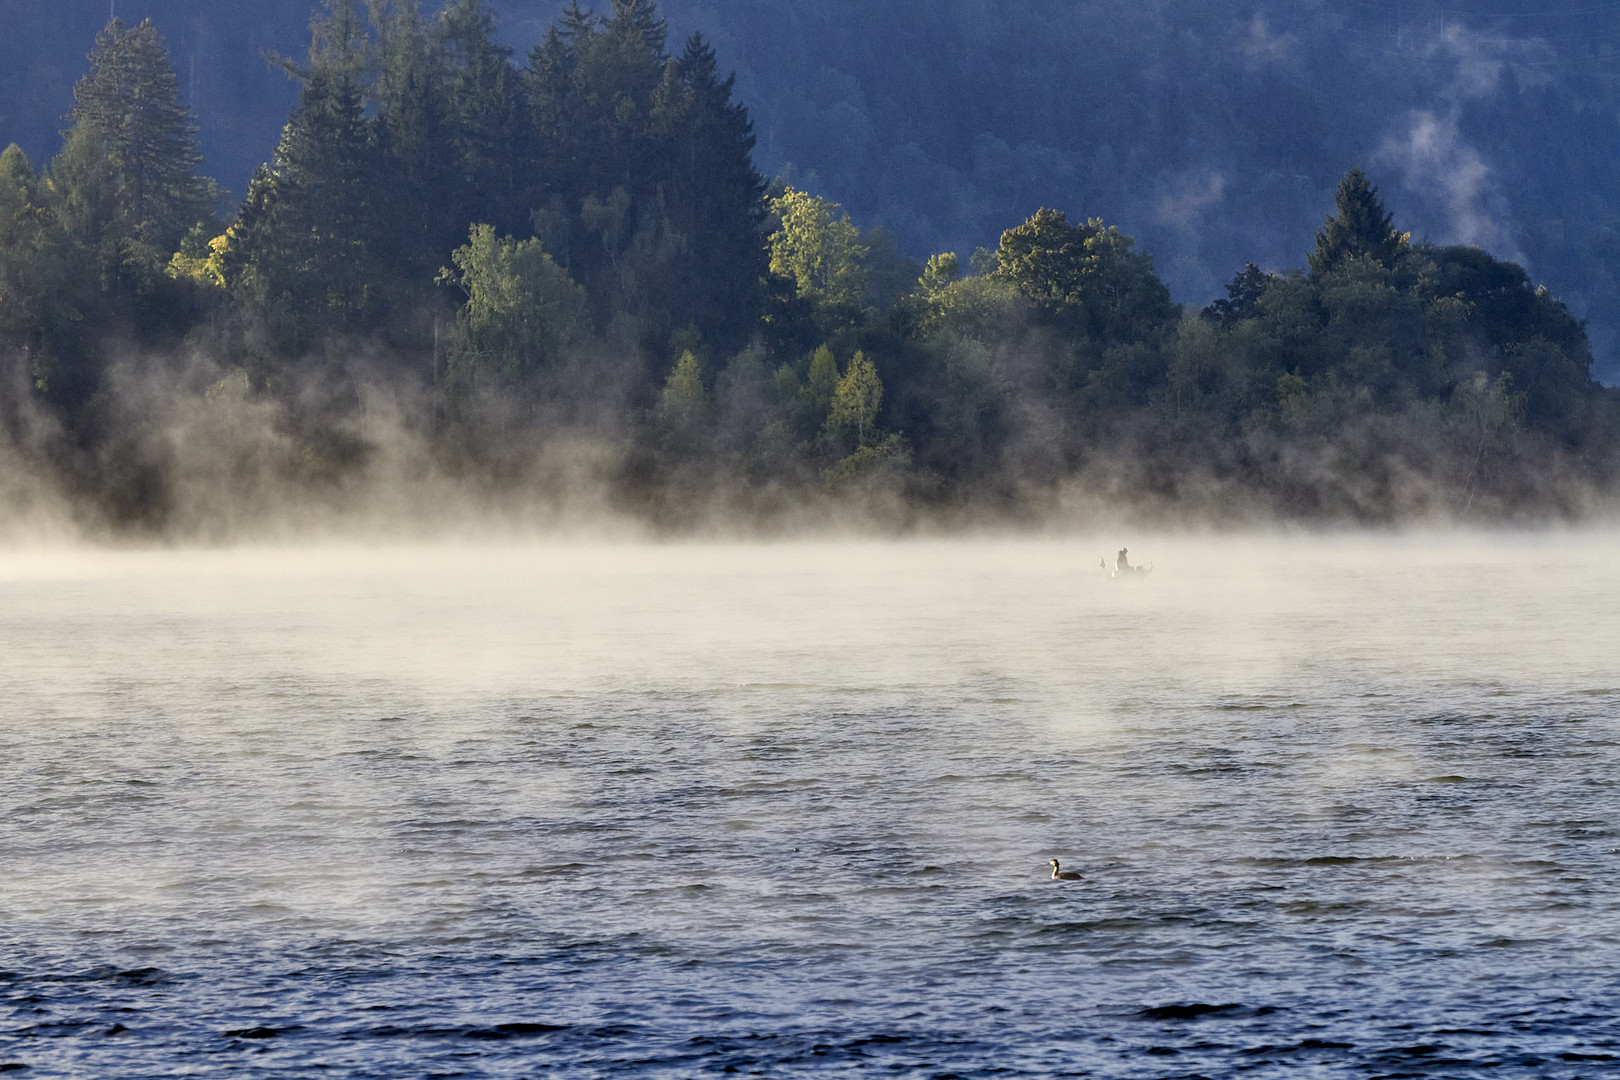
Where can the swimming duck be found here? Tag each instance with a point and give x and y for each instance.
(1063, 875)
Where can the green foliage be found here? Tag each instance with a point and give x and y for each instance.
(883, 464)
(522, 312)
(1361, 228)
(941, 271)
(84, 194)
(1087, 275)
(14, 167)
(201, 259)
(632, 166)
(130, 170)
(45, 290)
(683, 390)
(856, 400)
(887, 274)
(977, 306)
(822, 381)
(818, 248)
(307, 249)
(1242, 296)
(644, 175)
(599, 209)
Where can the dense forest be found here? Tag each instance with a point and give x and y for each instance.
(1213, 132)
(471, 278)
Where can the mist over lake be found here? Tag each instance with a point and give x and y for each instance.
(604, 552)
(1342, 806)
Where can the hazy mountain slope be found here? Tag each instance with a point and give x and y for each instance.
(1213, 131)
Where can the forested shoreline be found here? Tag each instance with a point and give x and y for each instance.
(527, 282)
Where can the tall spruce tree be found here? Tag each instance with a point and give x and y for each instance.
(483, 97)
(590, 88)
(641, 18)
(306, 250)
(647, 189)
(44, 295)
(1360, 227)
(415, 138)
(577, 23)
(129, 170)
(717, 198)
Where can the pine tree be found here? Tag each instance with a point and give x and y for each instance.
(482, 97)
(310, 229)
(415, 140)
(127, 110)
(1243, 295)
(578, 24)
(716, 196)
(683, 389)
(596, 193)
(642, 172)
(44, 294)
(1361, 227)
(620, 71)
(338, 43)
(641, 19)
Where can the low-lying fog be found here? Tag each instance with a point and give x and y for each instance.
(1217, 615)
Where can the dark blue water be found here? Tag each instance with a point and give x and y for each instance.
(780, 811)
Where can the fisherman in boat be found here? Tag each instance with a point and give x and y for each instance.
(1121, 563)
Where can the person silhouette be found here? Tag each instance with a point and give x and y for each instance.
(1121, 562)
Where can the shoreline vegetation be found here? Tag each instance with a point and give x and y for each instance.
(552, 287)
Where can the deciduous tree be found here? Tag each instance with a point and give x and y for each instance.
(1089, 275)
(522, 310)
(818, 248)
(856, 401)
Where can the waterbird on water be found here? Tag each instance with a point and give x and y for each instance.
(1063, 875)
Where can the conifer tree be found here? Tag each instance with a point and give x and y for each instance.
(311, 229)
(482, 100)
(1360, 227)
(641, 19)
(715, 197)
(43, 293)
(1243, 295)
(683, 389)
(620, 71)
(127, 112)
(577, 24)
(588, 90)
(413, 131)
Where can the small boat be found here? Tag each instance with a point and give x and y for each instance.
(1120, 568)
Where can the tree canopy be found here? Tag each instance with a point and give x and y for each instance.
(1361, 228)
(575, 247)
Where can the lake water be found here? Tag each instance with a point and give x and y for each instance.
(1342, 806)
